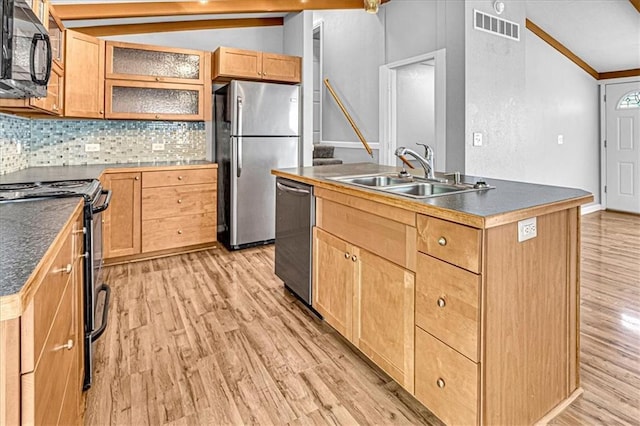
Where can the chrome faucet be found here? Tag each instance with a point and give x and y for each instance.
(426, 163)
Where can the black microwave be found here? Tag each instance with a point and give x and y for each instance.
(26, 52)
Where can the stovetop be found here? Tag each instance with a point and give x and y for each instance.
(87, 188)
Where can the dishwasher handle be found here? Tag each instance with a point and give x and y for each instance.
(290, 189)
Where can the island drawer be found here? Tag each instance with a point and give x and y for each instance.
(180, 231)
(387, 238)
(454, 243)
(180, 200)
(447, 304)
(43, 389)
(445, 381)
(178, 177)
(39, 315)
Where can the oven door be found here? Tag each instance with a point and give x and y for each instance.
(97, 293)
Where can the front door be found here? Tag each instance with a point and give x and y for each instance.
(622, 146)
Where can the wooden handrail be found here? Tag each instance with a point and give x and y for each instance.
(348, 116)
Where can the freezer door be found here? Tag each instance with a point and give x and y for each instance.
(264, 109)
(253, 186)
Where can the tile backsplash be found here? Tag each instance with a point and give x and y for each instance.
(62, 142)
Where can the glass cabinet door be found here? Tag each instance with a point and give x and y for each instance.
(159, 101)
(150, 63)
(56, 35)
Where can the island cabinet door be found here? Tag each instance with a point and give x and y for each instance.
(121, 221)
(333, 277)
(384, 315)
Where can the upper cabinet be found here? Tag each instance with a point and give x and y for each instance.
(56, 35)
(230, 63)
(84, 75)
(127, 61)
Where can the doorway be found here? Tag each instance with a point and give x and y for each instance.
(412, 107)
(622, 146)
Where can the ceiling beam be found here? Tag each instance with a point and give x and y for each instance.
(636, 4)
(164, 27)
(561, 48)
(151, 9)
(619, 74)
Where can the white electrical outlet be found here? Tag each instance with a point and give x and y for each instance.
(157, 146)
(91, 147)
(527, 229)
(560, 139)
(18, 148)
(477, 139)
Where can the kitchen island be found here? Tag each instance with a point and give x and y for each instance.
(467, 300)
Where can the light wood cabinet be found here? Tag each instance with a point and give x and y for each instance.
(84, 76)
(121, 228)
(367, 299)
(157, 212)
(41, 351)
(51, 105)
(230, 63)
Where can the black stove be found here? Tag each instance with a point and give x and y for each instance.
(88, 188)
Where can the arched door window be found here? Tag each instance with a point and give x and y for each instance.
(630, 100)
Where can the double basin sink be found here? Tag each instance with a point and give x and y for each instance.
(413, 187)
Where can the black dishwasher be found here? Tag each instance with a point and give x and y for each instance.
(295, 218)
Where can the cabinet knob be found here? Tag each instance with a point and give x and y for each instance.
(137, 178)
(441, 302)
(55, 107)
(440, 382)
(157, 78)
(68, 346)
(347, 255)
(101, 111)
(179, 201)
(179, 177)
(442, 241)
(157, 116)
(179, 232)
(67, 269)
(354, 258)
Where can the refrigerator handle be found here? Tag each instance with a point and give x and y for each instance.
(239, 151)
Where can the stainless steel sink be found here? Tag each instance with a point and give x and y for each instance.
(413, 187)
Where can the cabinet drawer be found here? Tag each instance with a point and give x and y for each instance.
(43, 390)
(182, 231)
(446, 382)
(451, 242)
(180, 200)
(447, 304)
(38, 318)
(382, 236)
(178, 177)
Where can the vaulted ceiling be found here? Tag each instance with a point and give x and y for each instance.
(604, 34)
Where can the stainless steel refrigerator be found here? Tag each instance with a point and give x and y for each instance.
(257, 127)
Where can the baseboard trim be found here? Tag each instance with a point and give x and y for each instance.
(590, 208)
(559, 408)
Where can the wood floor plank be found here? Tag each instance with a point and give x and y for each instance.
(213, 338)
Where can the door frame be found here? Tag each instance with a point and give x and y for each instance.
(603, 133)
(389, 113)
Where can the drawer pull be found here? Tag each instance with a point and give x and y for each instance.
(442, 241)
(137, 178)
(179, 232)
(347, 255)
(179, 201)
(440, 382)
(354, 258)
(67, 269)
(179, 177)
(68, 346)
(441, 302)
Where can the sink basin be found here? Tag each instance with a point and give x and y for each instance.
(378, 180)
(413, 187)
(422, 190)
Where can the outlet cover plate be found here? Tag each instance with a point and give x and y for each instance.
(527, 229)
(477, 139)
(91, 147)
(157, 146)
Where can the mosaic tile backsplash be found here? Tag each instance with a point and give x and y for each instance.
(62, 142)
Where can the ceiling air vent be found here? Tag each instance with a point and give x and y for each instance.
(494, 25)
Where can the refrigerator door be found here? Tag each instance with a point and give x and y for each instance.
(253, 202)
(264, 109)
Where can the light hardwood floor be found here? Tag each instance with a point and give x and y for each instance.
(212, 338)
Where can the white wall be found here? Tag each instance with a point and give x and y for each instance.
(268, 39)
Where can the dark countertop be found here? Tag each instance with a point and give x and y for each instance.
(45, 174)
(27, 229)
(487, 205)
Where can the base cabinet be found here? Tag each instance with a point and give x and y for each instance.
(121, 226)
